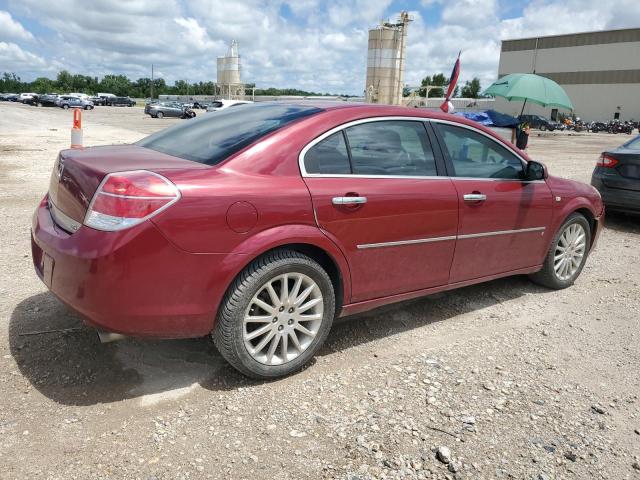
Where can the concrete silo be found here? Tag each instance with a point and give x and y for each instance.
(228, 75)
(385, 61)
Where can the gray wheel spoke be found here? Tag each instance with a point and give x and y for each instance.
(284, 347)
(272, 348)
(284, 291)
(264, 306)
(303, 296)
(263, 342)
(308, 305)
(258, 319)
(275, 300)
(303, 330)
(296, 290)
(295, 341)
(259, 331)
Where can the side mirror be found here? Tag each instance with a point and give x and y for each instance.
(535, 171)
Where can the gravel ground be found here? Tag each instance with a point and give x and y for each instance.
(500, 380)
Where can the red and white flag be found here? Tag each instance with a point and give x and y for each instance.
(453, 80)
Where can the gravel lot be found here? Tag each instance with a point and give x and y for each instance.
(515, 381)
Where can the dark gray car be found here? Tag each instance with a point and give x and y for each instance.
(617, 177)
(168, 109)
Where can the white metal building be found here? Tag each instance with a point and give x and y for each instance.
(600, 71)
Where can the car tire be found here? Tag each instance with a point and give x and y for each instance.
(235, 334)
(65, 106)
(87, 107)
(552, 275)
(39, 104)
(543, 127)
(159, 115)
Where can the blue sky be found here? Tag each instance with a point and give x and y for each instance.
(315, 45)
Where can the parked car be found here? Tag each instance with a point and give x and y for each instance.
(617, 177)
(9, 97)
(224, 104)
(259, 225)
(168, 109)
(24, 97)
(540, 122)
(32, 100)
(47, 100)
(66, 101)
(119, 101)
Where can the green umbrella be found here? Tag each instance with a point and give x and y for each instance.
(529, 87)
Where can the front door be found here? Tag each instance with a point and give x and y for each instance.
(503, 219)
(375, 191)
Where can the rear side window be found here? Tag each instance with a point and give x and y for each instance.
(328, 156)
(474, 155)
(212, 137)
(391, 148)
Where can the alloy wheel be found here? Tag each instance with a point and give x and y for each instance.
(283, 318)
(569, 251)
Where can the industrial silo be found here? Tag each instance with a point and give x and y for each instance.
(228, 79)
(385, 61)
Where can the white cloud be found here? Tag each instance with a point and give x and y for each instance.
(13, 58)
(11, 29)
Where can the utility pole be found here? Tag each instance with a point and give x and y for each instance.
(152, 81)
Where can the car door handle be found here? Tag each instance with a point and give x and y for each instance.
(348, 200)
(474, 197)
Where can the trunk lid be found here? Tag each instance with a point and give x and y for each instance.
(77, 173)
(627, 170)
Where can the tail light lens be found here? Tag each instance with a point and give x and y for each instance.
(607, 161)
(126, 199)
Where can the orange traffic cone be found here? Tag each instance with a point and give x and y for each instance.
(76, 131)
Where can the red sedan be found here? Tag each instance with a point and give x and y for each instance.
(259, 225)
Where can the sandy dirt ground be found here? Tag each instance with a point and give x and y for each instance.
(516, 381)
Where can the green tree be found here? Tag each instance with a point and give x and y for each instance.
(472, 89)
(11, 83)
(438, 80)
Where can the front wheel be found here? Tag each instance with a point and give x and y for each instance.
(567, 255)
(65, 106)
(543, 127)
(276, 315)
(159, 115)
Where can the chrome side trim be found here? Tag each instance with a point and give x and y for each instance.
(501, 232)
(406, 242)
(62, 220)
(450, 237)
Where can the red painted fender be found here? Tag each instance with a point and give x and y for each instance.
(275, 237)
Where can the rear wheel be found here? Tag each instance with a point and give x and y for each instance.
(567, 255)
(276, 315)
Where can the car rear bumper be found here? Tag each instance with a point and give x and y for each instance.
(133, 282)
(617, 199)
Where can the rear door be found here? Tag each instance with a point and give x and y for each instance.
(503, 219)
(376, 192)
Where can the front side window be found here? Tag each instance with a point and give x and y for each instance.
(475, 155)
(393, 147)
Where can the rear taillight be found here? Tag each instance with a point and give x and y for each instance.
(607, 161)
(125, 199)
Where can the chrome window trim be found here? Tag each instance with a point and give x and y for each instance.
(318, 139)
(450, 237)
(63, 220)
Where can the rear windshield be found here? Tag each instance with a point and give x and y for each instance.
(633, 144)
(214, 136)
